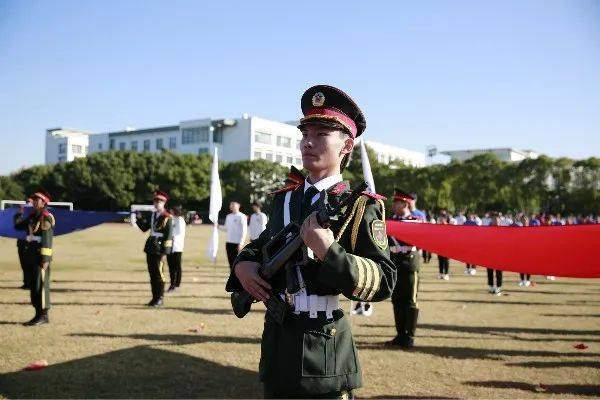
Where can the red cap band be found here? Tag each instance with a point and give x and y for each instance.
(42, 196)
(402, 198)
(333, 115)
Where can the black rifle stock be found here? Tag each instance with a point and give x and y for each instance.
(279, 252)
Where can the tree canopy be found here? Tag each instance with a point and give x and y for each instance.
(115, 180)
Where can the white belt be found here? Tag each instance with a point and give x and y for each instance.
(314, 303)
(32, 238)
(403, 249)
(156, 234)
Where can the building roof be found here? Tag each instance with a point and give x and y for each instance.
(524, 153)
(147, 130)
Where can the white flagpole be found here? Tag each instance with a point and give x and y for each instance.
(366, 166)
(216, 202)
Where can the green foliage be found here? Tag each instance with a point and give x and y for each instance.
(115, 180)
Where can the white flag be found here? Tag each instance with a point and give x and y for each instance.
(216, 202)
(366, 166)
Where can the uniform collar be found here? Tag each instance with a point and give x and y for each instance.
(324, 183)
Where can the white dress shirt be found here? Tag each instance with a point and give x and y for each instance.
(178, 234)
(323, 184)
(258, 223)
(236, 225)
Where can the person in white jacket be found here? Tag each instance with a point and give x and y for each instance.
(258, 221)
(174, 259)
(236, 226)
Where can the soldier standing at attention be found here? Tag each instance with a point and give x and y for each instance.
(158, 245)
(406, 258)
(312, 353)
(40, 228)
(22, 250)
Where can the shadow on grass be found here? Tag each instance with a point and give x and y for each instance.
(556, 364)
(571, 315)
(138, 372)
(590, 390)
(479, 338)
(179, 339)
(493, 330)
(471, 353)
(504, 301)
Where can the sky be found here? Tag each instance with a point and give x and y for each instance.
(457, 75)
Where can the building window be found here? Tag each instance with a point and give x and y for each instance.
(172, 142)
(76, 148)
(62, 159)
(261, 137)
(283, 141)
(298, 144)
(121, 145)
(111, 145)
(134, 145)
(290, 159)
(87, 148)
(159, 144)
(203, 150)
(147, 145)
(62, 148)
(99, 146)
(195, 135)
(278, 158)
(257, 155)
(269, 156)
(217, 136)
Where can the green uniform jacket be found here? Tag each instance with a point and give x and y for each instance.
(405, 261)
(40, 228)
(163, 224)
(318, 355)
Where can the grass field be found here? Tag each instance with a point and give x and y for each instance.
(103, 341)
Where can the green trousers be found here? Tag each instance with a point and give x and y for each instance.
(40, 288)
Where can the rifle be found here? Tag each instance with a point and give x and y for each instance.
(282, 250)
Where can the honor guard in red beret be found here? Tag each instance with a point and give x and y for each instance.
(406, 258)
(39, 225)
(350, 258)
(158, 245)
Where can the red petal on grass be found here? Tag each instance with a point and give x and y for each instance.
(37, 365)
(541, 388)
(580, 346)
(197, 328)
(532, 283)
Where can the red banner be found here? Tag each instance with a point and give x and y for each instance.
(569, 251)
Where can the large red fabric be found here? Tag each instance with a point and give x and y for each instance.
(569, 251)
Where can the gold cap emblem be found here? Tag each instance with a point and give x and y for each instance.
(318, 99)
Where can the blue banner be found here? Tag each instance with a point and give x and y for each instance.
(66, 221)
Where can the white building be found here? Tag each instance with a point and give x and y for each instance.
(504, 154)
(387, 154)
(245, 138)
(63, 145)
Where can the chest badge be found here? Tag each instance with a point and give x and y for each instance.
(378, 233)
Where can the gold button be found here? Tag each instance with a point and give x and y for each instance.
(332, 331)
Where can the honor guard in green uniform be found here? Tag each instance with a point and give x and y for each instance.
(39, 225)
(23, 251)
(406, 258)
(311, 352)
(158, 245)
